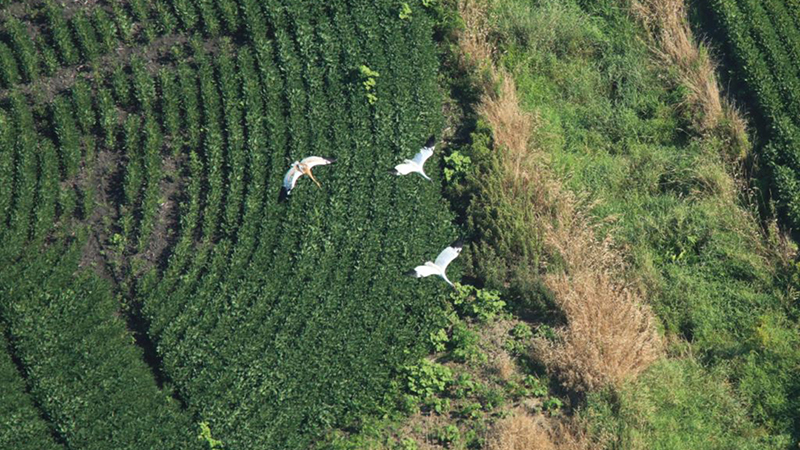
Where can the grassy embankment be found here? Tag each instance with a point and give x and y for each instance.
(634, 135)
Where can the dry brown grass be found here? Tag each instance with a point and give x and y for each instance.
(474, 38)
(610, 334)
(522, 431)
(667, 23)
(609, 338)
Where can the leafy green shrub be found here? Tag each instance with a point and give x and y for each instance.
(205, 436)
(484, 304)
(464, 386)
(369, 80)
(438, 340)
(553, 406)
(427, 378)
(426, 382)
(405, 11)
(448, 435)
(458, 167)
(464, 345)
(521, 338)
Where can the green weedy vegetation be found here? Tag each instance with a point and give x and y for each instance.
(664, 410)
(610, 130)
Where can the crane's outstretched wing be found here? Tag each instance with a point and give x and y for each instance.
(312, 161)
(289, 181)
(422, 271)
(403, 169)
(425, 152)
(449, 254)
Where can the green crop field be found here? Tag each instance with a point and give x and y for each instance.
(150, 282)
(763, 38)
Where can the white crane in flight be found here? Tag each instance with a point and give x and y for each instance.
(298, 169)
(439, 266)
(416, 165)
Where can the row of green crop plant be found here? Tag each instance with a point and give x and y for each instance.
(89, 34)
(213, 152)
(765, 43)
(80, 364)
(260, 319)
(32, 197)
(22, 425)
